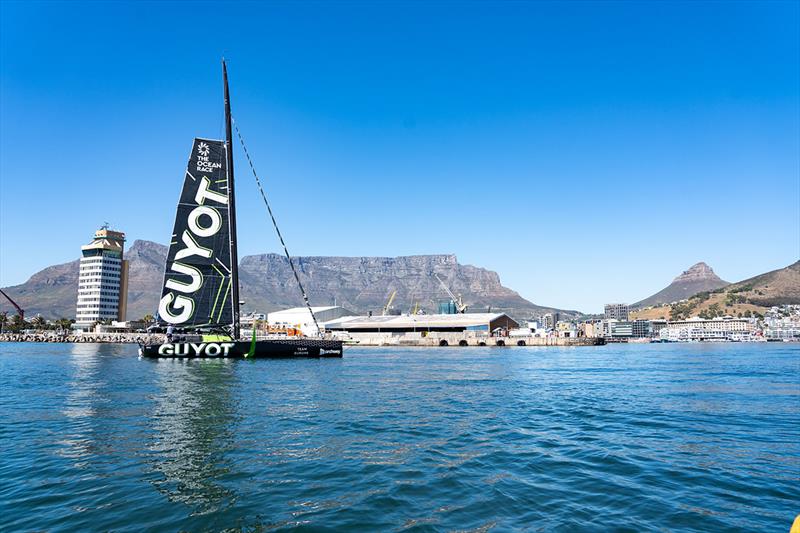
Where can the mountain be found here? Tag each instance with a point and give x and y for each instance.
(364, 284)
(360, 284)
(753, 296)
(53, 292)
(146, 274)
(698, 278)
(778, 287)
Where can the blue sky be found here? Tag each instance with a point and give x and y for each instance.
(586, 151)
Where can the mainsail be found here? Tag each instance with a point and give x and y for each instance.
(197, 279)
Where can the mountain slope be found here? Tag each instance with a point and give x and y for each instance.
(778, 287)
(698, 278)
(361, 284)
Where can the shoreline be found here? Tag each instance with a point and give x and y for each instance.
(88, 338)
(433, 341)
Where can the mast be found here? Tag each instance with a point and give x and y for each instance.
(231, 205)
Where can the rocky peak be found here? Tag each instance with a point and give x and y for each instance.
(698, 278)
(147, 248)
(698, 271)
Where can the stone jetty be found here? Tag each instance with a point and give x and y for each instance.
(117, 338)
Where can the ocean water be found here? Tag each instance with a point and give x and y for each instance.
(701, 437)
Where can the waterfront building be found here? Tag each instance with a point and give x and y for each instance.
(616, 311)
(566, 329)
(485, 323)
(300, 317)
(700, 329)
(723, 323)
(787, 333)
(620, 329)
(102, 280)
(656, 326)
(533, 329)
(641, 328)
(592, 328)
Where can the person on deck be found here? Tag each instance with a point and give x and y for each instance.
(170, 331)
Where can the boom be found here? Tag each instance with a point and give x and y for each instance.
(460, 307)
(389, 303)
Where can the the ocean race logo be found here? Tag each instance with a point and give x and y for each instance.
(204, 163)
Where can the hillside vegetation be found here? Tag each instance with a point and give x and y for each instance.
(751, 297)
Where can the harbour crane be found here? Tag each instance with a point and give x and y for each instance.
(457, 301)
(20, 311)
(389, 303)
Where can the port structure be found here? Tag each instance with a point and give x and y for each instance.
(457, 301)
(389, 303)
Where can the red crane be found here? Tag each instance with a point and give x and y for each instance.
(20, 310)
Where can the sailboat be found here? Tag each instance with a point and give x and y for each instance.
(200, 293)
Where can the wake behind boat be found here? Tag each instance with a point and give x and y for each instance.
(201, 279)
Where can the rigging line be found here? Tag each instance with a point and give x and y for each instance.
(275, 224)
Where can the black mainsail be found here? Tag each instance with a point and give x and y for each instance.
(198, 280)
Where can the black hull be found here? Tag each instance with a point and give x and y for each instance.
(273, 348)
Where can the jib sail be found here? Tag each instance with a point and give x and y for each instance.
(197, 279)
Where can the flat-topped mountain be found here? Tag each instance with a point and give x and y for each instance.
(698, 278)
(365, 283)
(361, 284)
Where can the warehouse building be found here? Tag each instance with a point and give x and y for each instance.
(478, 322)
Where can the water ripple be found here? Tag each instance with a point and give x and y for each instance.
(629, 438)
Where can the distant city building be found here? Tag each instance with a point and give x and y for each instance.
(724, 323)
(592, 328)
(616, 311)
(782, 323)
(550, 320)
(566, 329)
(641, 328)
(620, 328)
(102, 280)
(656, 326)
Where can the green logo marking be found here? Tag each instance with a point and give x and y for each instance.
(252, 350)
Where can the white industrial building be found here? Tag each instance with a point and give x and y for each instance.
(485, 322)
(300, 317)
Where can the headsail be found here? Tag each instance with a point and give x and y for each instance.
(197, 280)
